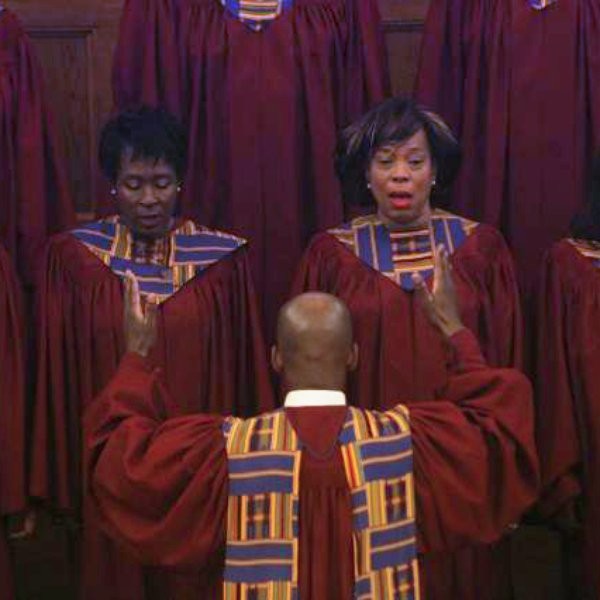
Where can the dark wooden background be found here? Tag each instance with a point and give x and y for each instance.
(75, 40)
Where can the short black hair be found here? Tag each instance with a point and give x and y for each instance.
(391, 122)
(586, 225)
(148, 133)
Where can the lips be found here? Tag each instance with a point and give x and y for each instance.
(150, 220)
(401, 200)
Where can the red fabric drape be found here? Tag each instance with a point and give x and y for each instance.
(34, 198)
(568, 393)
(12, 410)
(262, 109)
(521, 88)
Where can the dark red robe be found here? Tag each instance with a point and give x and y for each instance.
(34, 197)
(210, 348)
(525, 108)
(403, 355)
(263, 110)
(161, 486)
(568, 392)
(12, 410)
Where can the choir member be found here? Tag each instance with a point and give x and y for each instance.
(568, 386)
(209, 346)
(401, 159)
(317, 500)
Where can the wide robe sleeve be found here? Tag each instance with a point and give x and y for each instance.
(160, 486)
(475, 463)
(209, 347)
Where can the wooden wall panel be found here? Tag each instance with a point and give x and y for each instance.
(403, 25)
(75, 40)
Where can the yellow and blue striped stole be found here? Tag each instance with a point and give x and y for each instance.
(256, 13)
(412, 252)
(588, 248)
(541, 4)
(191, 250)
(264, 456)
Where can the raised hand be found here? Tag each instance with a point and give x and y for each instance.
(139, 322)
(441, 303)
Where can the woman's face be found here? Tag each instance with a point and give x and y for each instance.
(401, 176)
(146, 195)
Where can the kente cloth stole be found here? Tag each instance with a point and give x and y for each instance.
(191, 249)
(541, 4)
(588, 248)
(264, 456)
(256, 13)
(398, 255)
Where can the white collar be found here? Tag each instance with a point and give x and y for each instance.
(307, 398)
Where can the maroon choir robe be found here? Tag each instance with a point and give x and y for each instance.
(160, 486)
(263, 109)
(12, 410)
(568, 390)
(403, 355)
(34, 197)
(210, 348)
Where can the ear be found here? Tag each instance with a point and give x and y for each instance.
(352, 363)
(276, 360)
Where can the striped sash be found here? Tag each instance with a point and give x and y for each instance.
(262, 518)
(541, 4)
(400, 254)
(191, 250)
(256, 13)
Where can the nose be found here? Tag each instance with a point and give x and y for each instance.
(400, 171)
(148, 197)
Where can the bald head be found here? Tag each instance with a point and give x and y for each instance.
(314, 340)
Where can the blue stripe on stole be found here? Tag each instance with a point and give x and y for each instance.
(267, 462)
(393, 557)
(597, 263)
(143, 270)
(384, 248)
(439, 233)
(286, 4)
(389, 470)
(260, 551)
(200, 256)
(457, 232)
(257, 573)
(233, 5)
(392, 535)
(363, 588)
(199, 241)
(93, 239)
(385, 447)
(283, 484)
(104, 227)
(365, 248)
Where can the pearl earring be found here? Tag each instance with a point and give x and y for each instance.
(368, 185)
(113, 192)
(433, 182)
